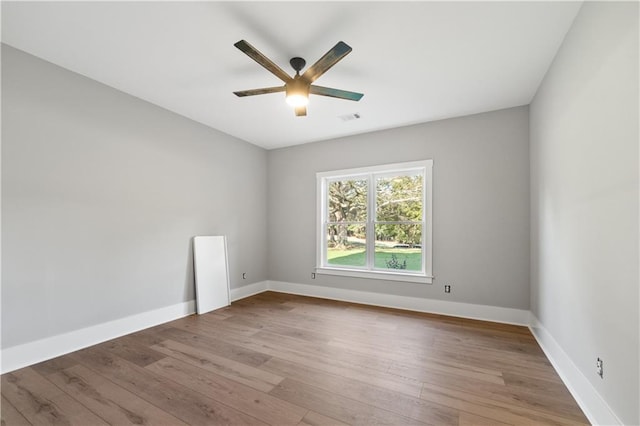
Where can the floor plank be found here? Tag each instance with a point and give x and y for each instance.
(41, 402)
(467, 419)
(109, 401)
(215, 345)
(375, 396)
(229, 392)
(489, 408)
(336, 406)
(128, 348)
(242, 373)
(184, 403)
(9, 416)
(516, 396)
(358, 369)
(54, 365)
(314, 419)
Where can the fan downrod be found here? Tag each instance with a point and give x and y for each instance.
(297, 64)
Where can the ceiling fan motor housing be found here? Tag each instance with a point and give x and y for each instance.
(297, 86)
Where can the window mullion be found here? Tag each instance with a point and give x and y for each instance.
(371, 229)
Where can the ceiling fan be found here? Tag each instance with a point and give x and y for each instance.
(299, 87)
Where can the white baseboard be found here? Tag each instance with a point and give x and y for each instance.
(434, 306)
(20, 356)
(248, 290)
(587, 397)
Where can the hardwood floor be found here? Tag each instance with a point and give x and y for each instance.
(280, 359)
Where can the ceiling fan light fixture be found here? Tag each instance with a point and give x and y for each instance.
(297, 93)
(297, 100)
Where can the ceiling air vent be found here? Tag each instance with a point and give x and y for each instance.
(349, 117)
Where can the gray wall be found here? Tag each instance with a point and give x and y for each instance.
(481, 205)
(584, 201)
(101, 195)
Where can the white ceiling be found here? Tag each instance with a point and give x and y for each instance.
(414, 61)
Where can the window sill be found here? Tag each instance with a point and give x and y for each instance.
(378, 275)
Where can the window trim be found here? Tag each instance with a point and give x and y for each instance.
(425, 167)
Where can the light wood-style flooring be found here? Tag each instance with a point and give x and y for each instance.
(280, 359)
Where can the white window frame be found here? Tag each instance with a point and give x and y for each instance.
(425, 168)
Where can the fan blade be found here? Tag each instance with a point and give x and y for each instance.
(254, 54)
(329, 59)
(263, 91)
(301, 111)
(335, 93)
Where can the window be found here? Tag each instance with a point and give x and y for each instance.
(375, 222)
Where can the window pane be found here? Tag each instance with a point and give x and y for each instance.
(398, 247)
(399, 198)
(346, 245)
(347, 201)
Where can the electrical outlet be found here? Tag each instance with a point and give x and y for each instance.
(244, 275)
(599, 368)
(447, 288)
(313, 275)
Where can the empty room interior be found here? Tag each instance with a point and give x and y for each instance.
(426, 213)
